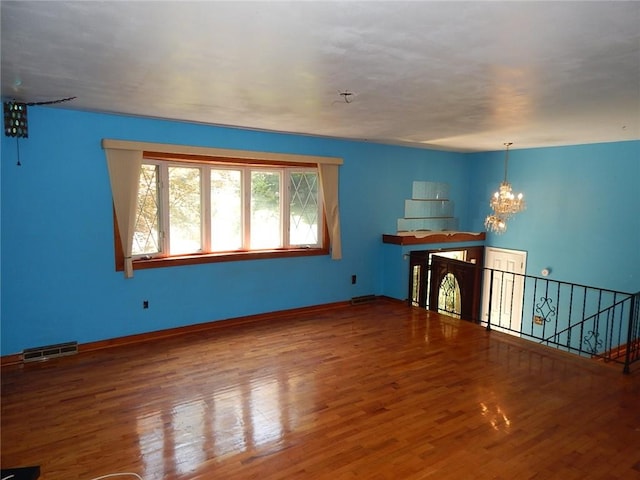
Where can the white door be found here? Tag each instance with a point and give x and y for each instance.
(507, 291)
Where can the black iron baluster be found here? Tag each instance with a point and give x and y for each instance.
(631, 340)
(584, 307)
(513, 290)
(635, 339)
(490, 300)
(555, 327)
(533, 299)
(546, 299)
(569, 320)
(597, 332)
(611, 321)
(501, 297)
(524, 295)
(592, 338)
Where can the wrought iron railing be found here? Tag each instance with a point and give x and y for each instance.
(591, 322)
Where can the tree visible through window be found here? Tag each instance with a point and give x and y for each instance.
(177, 205)
(266, 229)
(304, 208)
(146, 239)
(226, 209)
(193, 208)
(185, 210)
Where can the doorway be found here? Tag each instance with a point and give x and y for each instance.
(447, 281)
(504, 296)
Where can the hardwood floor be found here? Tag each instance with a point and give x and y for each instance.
(374, 391)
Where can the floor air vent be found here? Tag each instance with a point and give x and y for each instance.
(363, 299)
(50, 351)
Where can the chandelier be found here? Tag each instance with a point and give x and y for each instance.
(503, 203)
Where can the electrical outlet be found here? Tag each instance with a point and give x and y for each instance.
(353, 279)
(538, 320)
(145, 304)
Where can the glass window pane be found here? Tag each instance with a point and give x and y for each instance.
(146, 234)
(265, 210)
(184, 210)
(303, 208)
(449, 301)
(226, 210)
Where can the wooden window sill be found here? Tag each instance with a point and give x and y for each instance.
(197, 259)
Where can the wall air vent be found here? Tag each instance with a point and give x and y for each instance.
(49, 351)
(363, 299)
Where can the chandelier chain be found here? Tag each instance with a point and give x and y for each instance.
(506, 160)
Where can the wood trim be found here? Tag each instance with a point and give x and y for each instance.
(216, 324)
(444, 237)
(8, 360)
(165, 148)
(16, 359)
(187, 158)
(199, 259)
(203, 258)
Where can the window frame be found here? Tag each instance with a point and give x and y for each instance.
(166, 159)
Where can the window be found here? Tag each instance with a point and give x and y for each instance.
(215, 208)
(179, 205)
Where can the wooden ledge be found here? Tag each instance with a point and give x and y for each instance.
(425, 237)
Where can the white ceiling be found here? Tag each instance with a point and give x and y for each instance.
(464, 76)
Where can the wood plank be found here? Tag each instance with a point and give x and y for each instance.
(16, 359)
(375, 391)
(433, 237)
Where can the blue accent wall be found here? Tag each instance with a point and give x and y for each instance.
(58, 281)
(583, 210)
(57, 267)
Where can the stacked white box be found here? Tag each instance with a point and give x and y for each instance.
(433, 224)
(428, 209)
(430, 191)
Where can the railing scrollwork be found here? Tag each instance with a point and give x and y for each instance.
(546, 309)
(591, 322)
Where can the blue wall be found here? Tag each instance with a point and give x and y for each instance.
(58, 281)
(58, 278)
(583, 210)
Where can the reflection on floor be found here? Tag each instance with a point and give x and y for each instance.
(373, 391)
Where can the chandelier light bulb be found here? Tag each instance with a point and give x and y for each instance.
(495, 224)
(504, 202)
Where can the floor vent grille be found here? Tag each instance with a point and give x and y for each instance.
(363, 299)
(49, 351)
